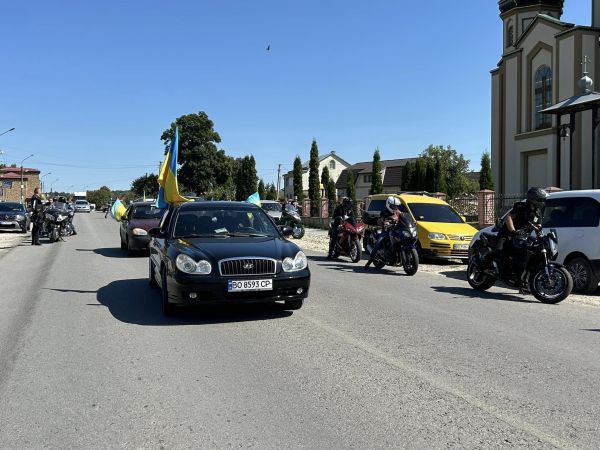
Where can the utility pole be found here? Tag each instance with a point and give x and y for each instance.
(22, 173)
(278, 186)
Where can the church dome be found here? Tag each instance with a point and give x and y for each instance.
(585, 84)
(507, 5)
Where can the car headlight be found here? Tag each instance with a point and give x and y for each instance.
(188, 265)
(436, 236)
(298, 263)
(139, 232)
(20, 217)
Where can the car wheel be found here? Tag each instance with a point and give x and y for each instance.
(294, 304)
(130, 251)
(167, 308)
(151, 275)
(24, 229)
(123, 244)
(585, 280)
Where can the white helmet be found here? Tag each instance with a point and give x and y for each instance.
(392, 204)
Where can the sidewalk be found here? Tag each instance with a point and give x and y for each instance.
(316, 231)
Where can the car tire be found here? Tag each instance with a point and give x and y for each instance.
(294, 304)
(123, 244)
(585, 280)
(130, 251)
(151, 275)
(24, 230)
(167, 308)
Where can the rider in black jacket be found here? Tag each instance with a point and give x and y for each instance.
(36, 207)
(389, 214)
(341, 210)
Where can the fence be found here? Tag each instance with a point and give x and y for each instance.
(466, 207)
(485, 207)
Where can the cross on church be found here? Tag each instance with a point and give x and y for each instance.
(584, 64)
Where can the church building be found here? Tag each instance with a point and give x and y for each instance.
(543, 63)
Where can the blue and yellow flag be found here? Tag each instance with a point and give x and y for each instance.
(254, 198)
(117, 210)
(144, 196)
(168, 193)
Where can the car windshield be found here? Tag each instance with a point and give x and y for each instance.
(271, 207)
(147, 212)
(10, 207)
(434, 212)
(214, 222)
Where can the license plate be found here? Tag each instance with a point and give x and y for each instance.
(5, 223)
(249, 285)
(461, 246)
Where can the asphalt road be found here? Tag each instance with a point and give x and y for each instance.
(374, 360)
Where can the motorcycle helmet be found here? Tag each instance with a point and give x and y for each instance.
(392, 204)
(537, 197)
(347, 204)
(62, 199)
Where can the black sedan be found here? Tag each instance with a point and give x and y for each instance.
(225, 252)
(14, 215)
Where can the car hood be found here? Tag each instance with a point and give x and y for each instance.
(448, 228)
(237, 247)
(144, 224)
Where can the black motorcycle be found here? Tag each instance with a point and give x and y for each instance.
(529, 266)
(56, 223)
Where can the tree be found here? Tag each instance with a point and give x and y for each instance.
(429, 182)
(418, 178)
(376, 181)
(407, 173)
(145, 183)
(13, 165)
(261, 189)
(325, 177)
(298, 189)
(271, 192)
(440, 179)
(247, 179)
(2, 166)
(314, 184)
(452, 168)
(486, 181)
(202, 165)
(350, 191)
(100, 196)
(331, 195)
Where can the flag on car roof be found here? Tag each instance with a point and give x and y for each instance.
(254, 198)
(144, 195)
(117, 210)
(168, 193)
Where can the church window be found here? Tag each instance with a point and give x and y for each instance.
(332, 164)
(543, 97)
(511, 35)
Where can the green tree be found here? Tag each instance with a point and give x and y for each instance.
(271, 192)
(440, 179)
(350, 190)
(429, 184)
(145, 183)
(13, 165)
(325, 177)
(407, 173)
(376, 181)
(99, 196)
(486, 181)
(418, 178)
(452, 166)
(261, 189)
(298, 189)
(247, 179)
(314, 188)
(202, 165)
(2, 166)
(331, 195)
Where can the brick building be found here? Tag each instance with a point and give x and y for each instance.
(10, 183)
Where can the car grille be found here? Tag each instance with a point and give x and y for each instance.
(439, 245)
(247, 266)
(459, 253)
(460, 237)
(8, 218)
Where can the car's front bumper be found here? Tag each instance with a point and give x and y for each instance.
(213, 289)
(445, 249)
(82, 210)
(139, 242)
(11, 224)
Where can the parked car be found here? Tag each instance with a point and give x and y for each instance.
(442, 232)
(14, 215)
(225, 252)
(272, 208)
(575, 215)
(82, 206)
(135, 223)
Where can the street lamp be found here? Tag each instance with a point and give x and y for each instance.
(7, 131)
(51, 185)
(68, 189)
(42, 181)
(21, 171)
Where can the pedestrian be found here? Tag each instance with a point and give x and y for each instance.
(37, 207)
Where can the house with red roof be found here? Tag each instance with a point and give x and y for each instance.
(10, 183)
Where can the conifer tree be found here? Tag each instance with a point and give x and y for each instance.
(350, 190)
(486, 181)
(376, 181)
(314, 188)
(298, 189)
(261, 189)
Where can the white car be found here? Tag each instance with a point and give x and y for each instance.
(82, 206)
(272, 208)
(575, 215)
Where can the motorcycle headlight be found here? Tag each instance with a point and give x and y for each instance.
(553, 247)
(350, 230)
(49, 217)
(139, 232)
(60, 217)
(298, 263)
(414, 233)
(188, 265)
(436, 236)
(407, 234)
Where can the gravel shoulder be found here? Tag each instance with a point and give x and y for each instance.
(10, 239)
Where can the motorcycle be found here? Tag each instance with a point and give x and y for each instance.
(55, 223)
(290, 218)
(528, 266)
(348, 239)
(399, 248)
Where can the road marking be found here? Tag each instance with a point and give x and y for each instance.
(472, 400)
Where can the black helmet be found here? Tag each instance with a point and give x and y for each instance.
(537, 197)
(347, 204)
(62, 199)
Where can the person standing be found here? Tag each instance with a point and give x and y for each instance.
(37, 207)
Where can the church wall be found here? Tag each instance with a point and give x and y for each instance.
(589, 48)
(542, 58)
(566, 78)
(539, 152)
(512, 161)
(495, 150)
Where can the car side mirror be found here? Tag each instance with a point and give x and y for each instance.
(156, 232)
(285, 230)
(421, 218)
(125, 220)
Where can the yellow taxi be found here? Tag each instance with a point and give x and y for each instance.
(442, 232)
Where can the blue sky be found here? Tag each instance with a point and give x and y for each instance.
(90, 86)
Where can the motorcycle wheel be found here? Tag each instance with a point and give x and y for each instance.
(411, 263)
(298, 232)
(554, 290)
(354, 250)
(479, 281)
(54, 235)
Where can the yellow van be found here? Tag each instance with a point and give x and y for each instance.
(442, 232)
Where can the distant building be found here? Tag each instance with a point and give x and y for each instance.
(391, 174)
(10, 179)
(336, 167)
(80, 195)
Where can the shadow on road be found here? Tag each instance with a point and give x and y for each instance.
(109, 252)
(590, 329)
(345, 265)
(455, 274)
(472, 293)
(133, 301)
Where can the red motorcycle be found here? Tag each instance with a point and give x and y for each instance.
(348, 239)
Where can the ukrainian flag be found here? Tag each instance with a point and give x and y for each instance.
(168, 192)
(254, 198)
(117, 210)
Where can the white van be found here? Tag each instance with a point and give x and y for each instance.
(576, 217)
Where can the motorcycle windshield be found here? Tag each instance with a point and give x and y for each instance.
(351, 221)
(405, 222)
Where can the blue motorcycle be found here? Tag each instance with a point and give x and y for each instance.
(399, 246)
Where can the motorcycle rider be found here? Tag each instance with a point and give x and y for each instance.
(71, 209)
(392, 205)
(341, 210)
(37, 207)
(517, 223)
